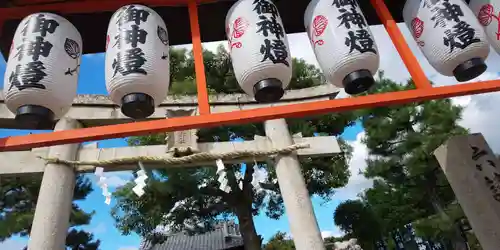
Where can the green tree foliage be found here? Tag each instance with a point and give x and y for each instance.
(189, 199)
(18, 197)
(409, 184)
(358, 221)
(279, 241)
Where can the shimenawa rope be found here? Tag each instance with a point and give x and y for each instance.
(197, 157)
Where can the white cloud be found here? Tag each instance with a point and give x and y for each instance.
(357, 182)
(11, 244)
(326, 234)
(115, 181)
(118, 179)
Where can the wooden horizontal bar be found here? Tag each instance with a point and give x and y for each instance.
(99, 110)
(245, 116)
(88, 6)
(29, 162)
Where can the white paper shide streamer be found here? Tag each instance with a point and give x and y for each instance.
(137, 60)
(259, 49)
(140, 181)
(343, 43)
(99, 173)
(449, 36)
(488, 15)
(42, 70)
(222, 176)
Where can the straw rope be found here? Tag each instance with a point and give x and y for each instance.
(197, 157)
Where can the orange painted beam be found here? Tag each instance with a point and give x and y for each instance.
(201, 81)
(416, 72)
(87, 6)
(246, 116)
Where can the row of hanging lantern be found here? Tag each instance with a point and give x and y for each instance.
(43, 66)
(42, 71)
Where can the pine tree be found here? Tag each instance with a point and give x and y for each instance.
(358, 221)
(401, 141)
(18, 197)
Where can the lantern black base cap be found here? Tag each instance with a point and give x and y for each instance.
(138, 105)
(35, 117)
(358, 82)
(268, 90)
(469, 69)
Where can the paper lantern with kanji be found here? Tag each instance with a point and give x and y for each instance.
(137, 60)
(343, 44)
(42, 70)
(449, 35)
(259, 49)
(488, 15)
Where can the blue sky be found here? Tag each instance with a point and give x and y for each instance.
(92, 82)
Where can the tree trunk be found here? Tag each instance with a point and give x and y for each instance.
(247, 228)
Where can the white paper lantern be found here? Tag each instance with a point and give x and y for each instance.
(137, 60)
(343, 43)
(42, 70)
(488, 15)
(449, 36)
(259, 49)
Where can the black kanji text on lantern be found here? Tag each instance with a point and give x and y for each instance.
(361, 41)
(274, 50)
(352, 17)
(41, 25)
(35, 49)
(265, 7)
(29, 74)
(132, 36)
(343, 3)
(460, 36)
(448, 11)
(132, 14)
(270, 26)
(130, 62)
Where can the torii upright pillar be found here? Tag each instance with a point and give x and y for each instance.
(53, 208)
(298, 205)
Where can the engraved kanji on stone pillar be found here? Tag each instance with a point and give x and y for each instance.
(182, 143)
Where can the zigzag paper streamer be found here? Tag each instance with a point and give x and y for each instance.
(140, 181)
(222, 179)
(99, 173)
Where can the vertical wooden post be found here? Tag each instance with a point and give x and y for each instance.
(53, 208)
(473, 172)
(298, 205)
